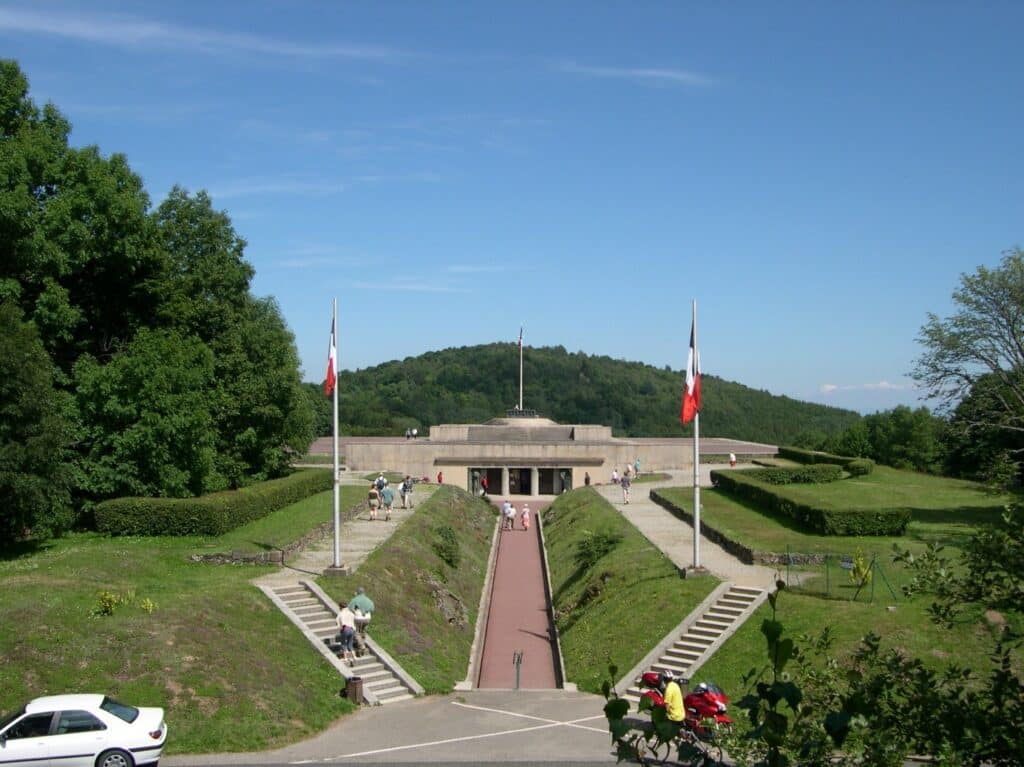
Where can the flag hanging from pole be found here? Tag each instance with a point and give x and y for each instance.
(520, 337)
(691, 394)
(332, 361)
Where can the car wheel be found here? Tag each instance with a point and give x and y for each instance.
(115, 757)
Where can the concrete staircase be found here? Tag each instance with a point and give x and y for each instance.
(315, 614)
(691, 643)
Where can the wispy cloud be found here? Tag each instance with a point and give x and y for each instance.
(646, 75)
(880, 386)
(481, 268)
(270, 187)
(409, 286)
(127, 32)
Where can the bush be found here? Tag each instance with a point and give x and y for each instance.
(864, 465)
(860, 467)
(213, 514)
(447, 546)
(822, 520)
(593, 546)
(804, 475)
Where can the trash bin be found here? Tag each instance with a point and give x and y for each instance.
(354, 689)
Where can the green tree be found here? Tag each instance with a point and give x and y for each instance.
(906, 438)
(76, 248)
(259, 410)
(146, 418)
(983, 339)
(35, 474)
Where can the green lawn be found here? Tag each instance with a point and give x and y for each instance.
(618, 608)
(230, 670)
(942, 509)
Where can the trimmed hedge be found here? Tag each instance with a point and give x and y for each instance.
(212, 514)
(821, 520)
(863, 465)
(805, 475)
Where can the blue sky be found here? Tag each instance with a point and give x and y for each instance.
(815, 175)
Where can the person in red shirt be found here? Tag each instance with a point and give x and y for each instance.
(483, 483)
(440, 478)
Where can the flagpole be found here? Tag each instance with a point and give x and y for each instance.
(337, 479)
(696, 454)
(520, 367)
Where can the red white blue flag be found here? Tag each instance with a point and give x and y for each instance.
(332, 362)
(691, 394)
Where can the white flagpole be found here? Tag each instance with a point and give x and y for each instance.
(520, 367)
(337, 479)
(696, 453)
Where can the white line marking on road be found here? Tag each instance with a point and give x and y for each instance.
(569, 723)
(440, 742)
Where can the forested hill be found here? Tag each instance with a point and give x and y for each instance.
(472, 384)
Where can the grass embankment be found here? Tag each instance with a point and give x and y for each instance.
(612, 608)
(944, 510)
(230, 670)
(426, 582)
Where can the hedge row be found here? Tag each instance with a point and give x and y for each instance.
(823, 521)
(212, 514)
(804, 475)
(855, 466)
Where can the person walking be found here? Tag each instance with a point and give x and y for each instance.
(586, 478)
(387, 498)
(636, 468)
(483, 484)
(405, 490)
(440, 477)
(526, 517)
(508, 512)
(346, 632)
(615, 476)
(625, 484)
(373, 500)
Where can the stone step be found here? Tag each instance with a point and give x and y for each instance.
(389, 693)
(675, 668)
(682, 656)
(747, 591)
(397, 698)
(705, 632)
(711, 623)
(299, 602)
(283, 591)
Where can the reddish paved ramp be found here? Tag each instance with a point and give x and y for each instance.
(518, 616)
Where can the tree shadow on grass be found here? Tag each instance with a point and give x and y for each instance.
(20, 549)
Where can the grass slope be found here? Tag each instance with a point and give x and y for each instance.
(617, 609)
(230, 670)
(426, 608)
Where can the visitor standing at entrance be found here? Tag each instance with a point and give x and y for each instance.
(626, 482)
(483, 484)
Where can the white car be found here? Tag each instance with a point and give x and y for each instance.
(81, 731)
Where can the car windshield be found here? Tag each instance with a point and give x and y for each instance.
(10, 718)
(120, 710)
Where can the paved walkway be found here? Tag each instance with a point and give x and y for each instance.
(358, 537)
(517, 621)
(675, 537)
